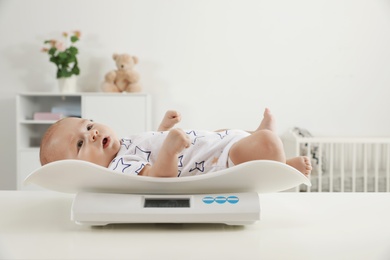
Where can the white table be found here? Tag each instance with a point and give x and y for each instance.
(36, 225)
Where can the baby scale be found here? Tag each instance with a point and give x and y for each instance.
(229, 196)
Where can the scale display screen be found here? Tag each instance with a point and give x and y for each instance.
(166, 203)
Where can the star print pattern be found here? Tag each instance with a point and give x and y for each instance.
(140, 168)
(195, 139)
(191, 133)
(198, 166)
(223, 134)
(121, 166)
(193, 136)
(142, 153)
(206, 152)
(126, 142)
(180, 161)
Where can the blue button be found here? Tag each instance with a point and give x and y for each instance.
(220, 199)
(208, 200)
(232, 199)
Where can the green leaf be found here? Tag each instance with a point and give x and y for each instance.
(52, 51)
(73, 50)
(62, 55)
(74, 38)
(76, 70)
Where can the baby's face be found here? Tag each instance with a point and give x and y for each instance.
(83, 139)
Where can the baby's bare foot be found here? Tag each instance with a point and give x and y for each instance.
(268, 121)
(301, 163)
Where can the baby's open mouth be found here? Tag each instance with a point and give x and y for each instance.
(105, 142)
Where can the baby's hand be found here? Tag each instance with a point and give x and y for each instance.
(176, 141)
(166, 164)
(170, 119)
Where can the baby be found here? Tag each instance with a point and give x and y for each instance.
(170, 152)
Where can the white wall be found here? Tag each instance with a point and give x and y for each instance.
(323, 65)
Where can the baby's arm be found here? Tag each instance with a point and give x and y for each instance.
(170, 119)
(166, 163)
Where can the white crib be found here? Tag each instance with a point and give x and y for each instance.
(342, 164)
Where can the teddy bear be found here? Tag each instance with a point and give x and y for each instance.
(125, 78)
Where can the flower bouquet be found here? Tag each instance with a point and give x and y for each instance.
(65, 58)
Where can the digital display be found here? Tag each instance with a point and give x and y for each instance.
(167, 203)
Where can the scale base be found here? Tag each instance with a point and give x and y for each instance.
(100, 209)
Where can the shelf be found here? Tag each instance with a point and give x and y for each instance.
(78, 94)
(29, 149)
(37, 122)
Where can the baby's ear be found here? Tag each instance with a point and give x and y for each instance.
(135, 59)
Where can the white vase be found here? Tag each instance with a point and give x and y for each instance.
(68, 85)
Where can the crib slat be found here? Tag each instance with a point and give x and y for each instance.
(388, 168)
(354, 167)
(365, 167)
(376, 167)
(331, 156)
(342, 169)
(319, 167)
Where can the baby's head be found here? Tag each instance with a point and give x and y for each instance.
(80, 139)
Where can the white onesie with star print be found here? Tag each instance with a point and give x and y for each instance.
(208, 151)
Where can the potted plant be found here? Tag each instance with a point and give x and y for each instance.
(64, 55)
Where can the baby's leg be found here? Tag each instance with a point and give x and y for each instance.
(261, 145)
(264, 144)
(268, 122)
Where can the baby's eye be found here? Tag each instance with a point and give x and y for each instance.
(89, 127)
(80, 144)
